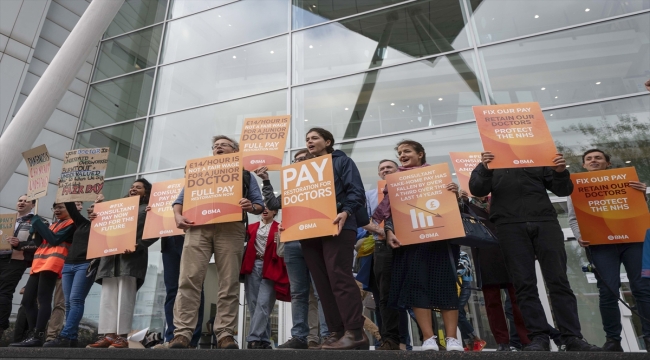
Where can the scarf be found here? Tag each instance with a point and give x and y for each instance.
(382, 212)
(485, 205)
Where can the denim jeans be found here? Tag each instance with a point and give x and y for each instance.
(466, 328)
(75, 289)
(171, 258)
(260, 295)
(300, 281)
(608, 260)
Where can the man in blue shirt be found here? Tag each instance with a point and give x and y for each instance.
(226, 242)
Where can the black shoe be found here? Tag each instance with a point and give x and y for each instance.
(539, 343)
(503, 347)
(294, 343)
(254, 345)
(612, 345)
(575, 343)
(74, 343)
(34, 339)
(58, 342)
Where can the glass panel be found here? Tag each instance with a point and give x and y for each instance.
(164, 176)
(311, 12)
(117, 100)
(185, 7)
(533, 16)
(224, 27)
(135, 51)
(117, 188)
(173, 139)
(124, 141)
(135, 14)
(634, 320)
(225, 75)
(591, 62)
(422, 94)
(381, 38)
(150, 299)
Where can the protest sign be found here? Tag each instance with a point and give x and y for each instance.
(213, 189)
(7, 223)
(516, 134)
(263, 140)
(82, 175)
(607, 209)
(38, 169)
(308, 199)
(381, 185)
(115, 228)
(423, 209)
(464, 163)
(160, 218)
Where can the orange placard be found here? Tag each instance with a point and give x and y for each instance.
(464, 163)
(160, 218)
(607, 209)
(263, 140)
(308, 199)
(213, 189)
(114, 230)
(516, 134)
(7, 224)
(38, 168)
(423, 209)
(381, 185)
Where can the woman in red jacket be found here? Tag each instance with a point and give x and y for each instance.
(266, 279)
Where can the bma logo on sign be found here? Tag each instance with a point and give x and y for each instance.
(211, 211)
(307, 226)
(523, 161)
(618, 237)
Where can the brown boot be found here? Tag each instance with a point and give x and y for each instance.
(389, 344)
(352, 340)
(332, 338)
(120, 342)
(227, 342)
(179, 342)
(103, 342)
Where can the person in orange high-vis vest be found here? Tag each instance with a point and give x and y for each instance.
(46, 269)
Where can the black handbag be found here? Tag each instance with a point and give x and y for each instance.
(91, 270)
(476, 233)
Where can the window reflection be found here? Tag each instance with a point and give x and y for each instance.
(175, 138)
(381, 38)
(533, 16)
(417, 95)
(311, 12)
(128, 53)
(185, 7)
(124, 141)
(224, 27)
(591, 62)
(135, 14)
(225, 75)
(117, 100)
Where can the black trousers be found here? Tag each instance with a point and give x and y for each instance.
(383, 263)
(37, 299)
(521, 244)
(11, 271)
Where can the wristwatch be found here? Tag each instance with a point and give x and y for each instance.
(349, 213)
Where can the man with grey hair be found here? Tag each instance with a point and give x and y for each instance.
(226, 242)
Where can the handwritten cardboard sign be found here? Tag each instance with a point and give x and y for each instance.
(160, 218)
(607, 209)
(263, 140)
(464, 163)
(38, 168)
(115, 228)
(423, 209)
(308, 199)
(82, 176)
(516, 134)
(7, 224)
(213, 189)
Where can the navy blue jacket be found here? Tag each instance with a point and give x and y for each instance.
(348, 186)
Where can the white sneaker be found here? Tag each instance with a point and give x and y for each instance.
(430, 344)
(454, 344)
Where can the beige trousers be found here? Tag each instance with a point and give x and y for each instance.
(226, 242)
(55, 325)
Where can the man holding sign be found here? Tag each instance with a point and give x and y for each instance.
(607, 259)
(225, 241)
(528, 229)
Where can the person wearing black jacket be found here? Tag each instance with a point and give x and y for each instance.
(528, 229)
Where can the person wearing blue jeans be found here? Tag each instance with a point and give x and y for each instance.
(171, 249)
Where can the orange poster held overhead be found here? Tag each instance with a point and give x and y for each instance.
(308, 199)
(160, 218)
(7, 224)
(114, 230)
(38, 167)
(263, 140)
(607, 209)
(423, 209)
(213, 189)
(516, 134)
(464, 163)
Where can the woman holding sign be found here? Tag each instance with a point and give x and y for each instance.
(121, 276)
(329, 258)
(422, 273)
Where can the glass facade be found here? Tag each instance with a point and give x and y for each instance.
(170, 75)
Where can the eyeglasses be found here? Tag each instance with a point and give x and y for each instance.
(58, 208)
(302, 158)
(222, 145)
